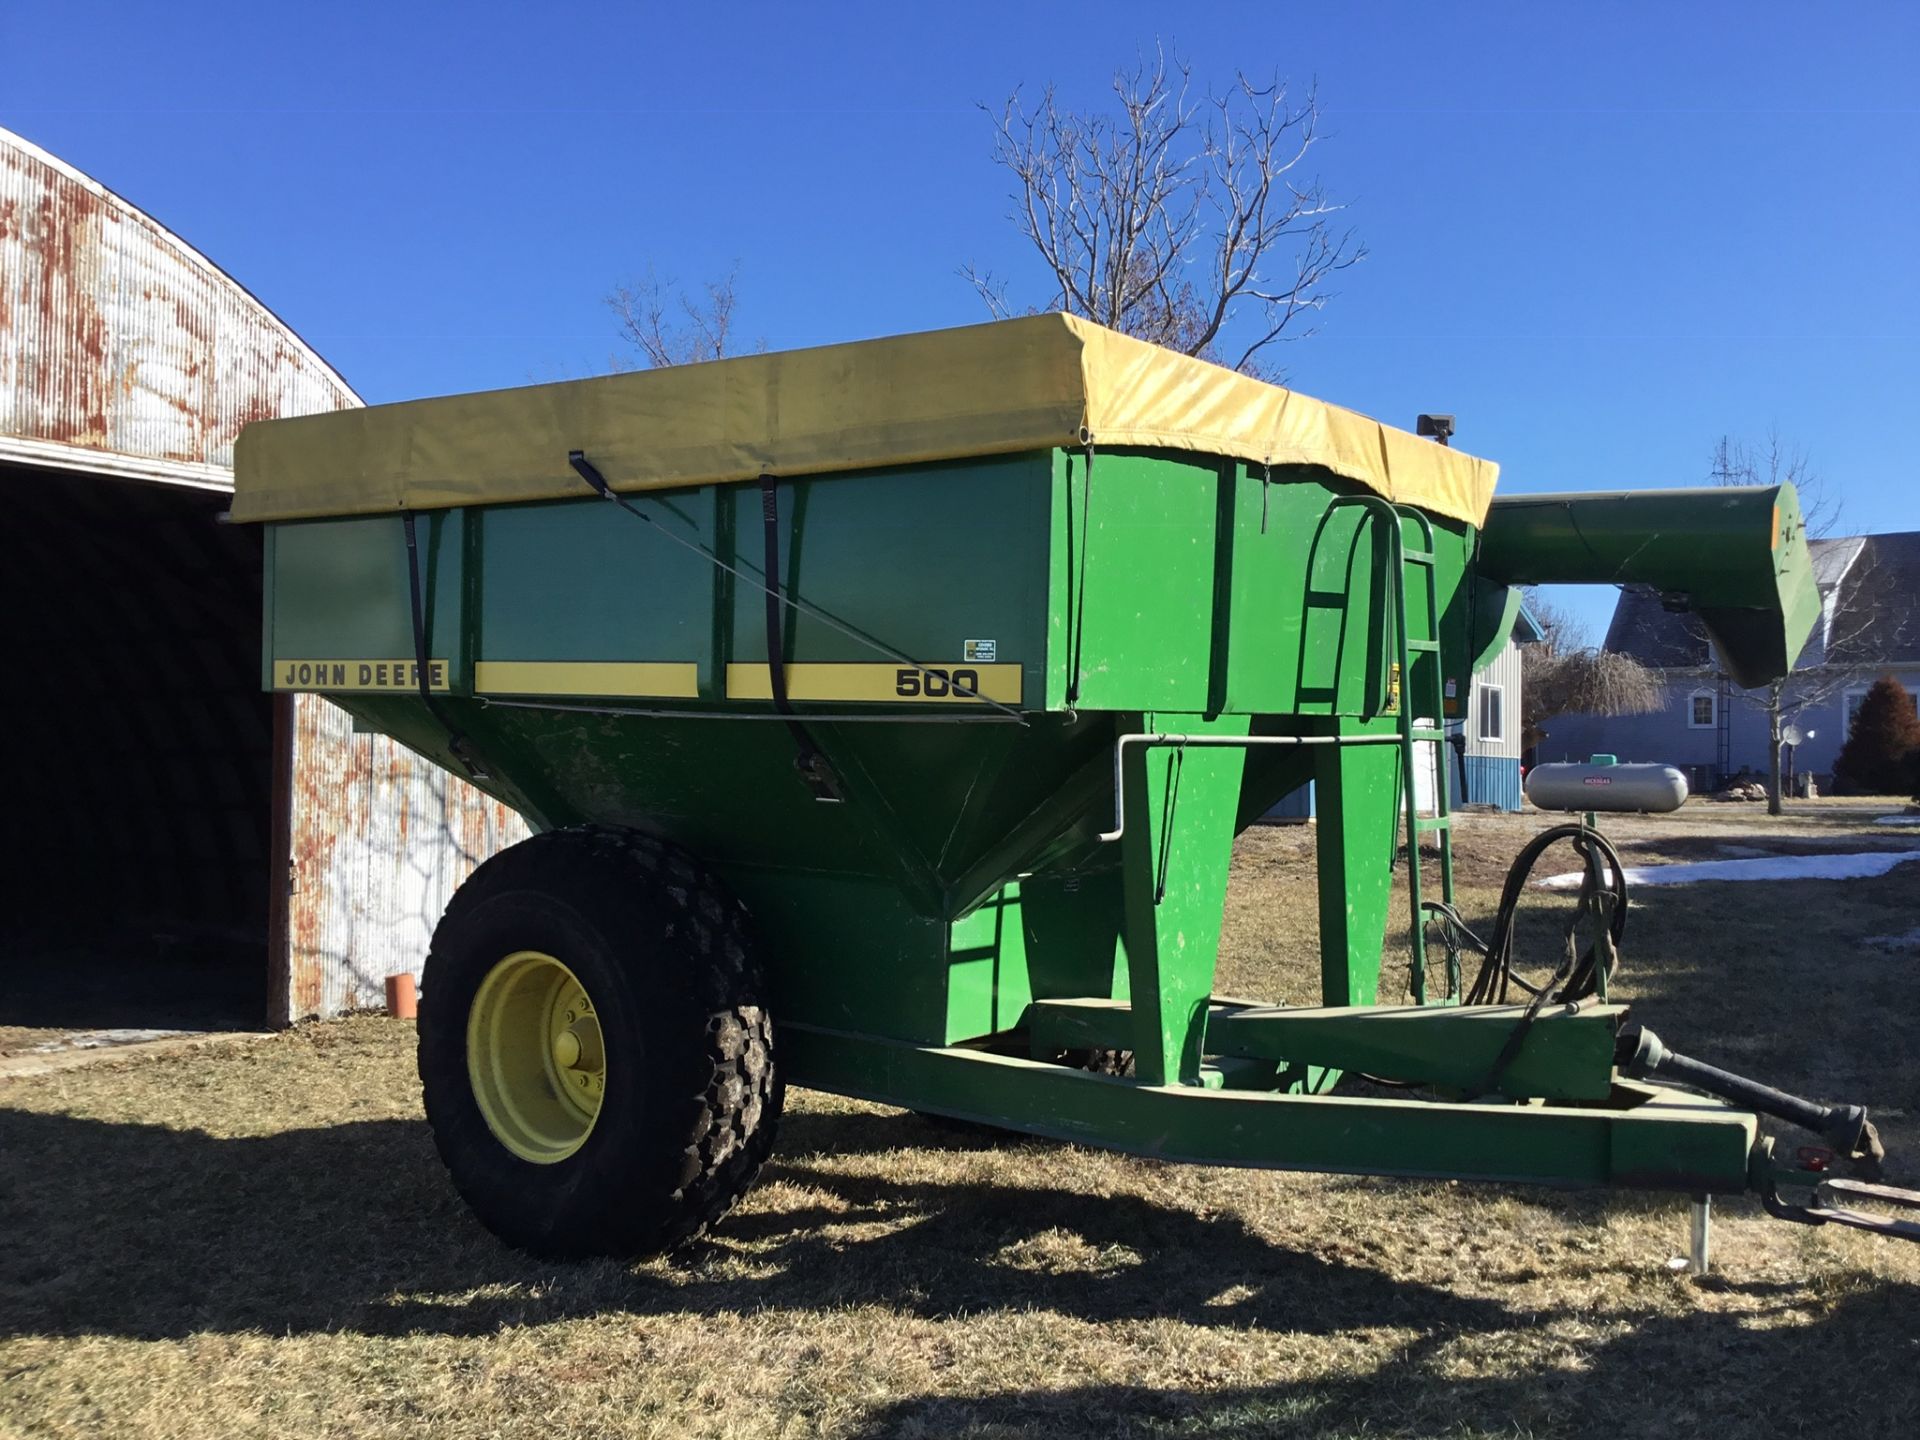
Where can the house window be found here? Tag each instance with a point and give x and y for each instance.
(1850, 707)
(1493, 717)
(1703, 710)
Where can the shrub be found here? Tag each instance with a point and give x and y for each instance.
(1883, 743)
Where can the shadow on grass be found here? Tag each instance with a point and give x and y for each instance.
(1779, 981)
(1669, 1376)
(152, 1233)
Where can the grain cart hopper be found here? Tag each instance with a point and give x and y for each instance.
(886, 713)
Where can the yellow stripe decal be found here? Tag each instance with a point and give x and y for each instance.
(330, 675)
(937, 684)
(635, 679)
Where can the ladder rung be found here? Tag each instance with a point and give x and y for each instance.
(1424, 647)
(1422, 824)
(1419, 734)
(1417, 557)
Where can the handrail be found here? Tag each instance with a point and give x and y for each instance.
(1150, 740)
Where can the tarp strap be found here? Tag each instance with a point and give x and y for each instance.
(812, 765)
(1080, 583)
(457, 743)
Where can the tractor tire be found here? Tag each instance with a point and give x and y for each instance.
(595, 1050)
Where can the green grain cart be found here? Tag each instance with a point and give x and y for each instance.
(886, 713)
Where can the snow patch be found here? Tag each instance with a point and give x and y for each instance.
(100, 1040)
(1898, 820)
(1778, 867)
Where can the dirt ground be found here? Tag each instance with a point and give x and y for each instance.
(257, 1239)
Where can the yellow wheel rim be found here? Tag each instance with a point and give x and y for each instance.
(536, 1057)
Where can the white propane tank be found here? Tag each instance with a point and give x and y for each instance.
(1603, 784)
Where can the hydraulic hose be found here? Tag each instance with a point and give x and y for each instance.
(1603, 891)
(1578, 977)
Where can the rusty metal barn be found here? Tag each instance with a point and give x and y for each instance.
(181, 850)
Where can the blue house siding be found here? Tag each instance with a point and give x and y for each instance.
(1491, 780)
(1297, 806)
(1665, 737)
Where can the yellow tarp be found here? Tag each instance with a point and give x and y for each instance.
(1014, 385)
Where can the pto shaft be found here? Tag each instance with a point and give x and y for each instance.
(1844, 1127)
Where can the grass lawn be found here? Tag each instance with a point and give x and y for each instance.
(256, 1238)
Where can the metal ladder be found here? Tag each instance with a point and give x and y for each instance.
(1407, 647)
(1441, 821)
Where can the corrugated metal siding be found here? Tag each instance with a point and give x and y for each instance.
(124, 352)
(1491, 780)
(120, 338)
(380, 839)
(1503, 670)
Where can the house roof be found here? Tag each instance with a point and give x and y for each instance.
(1869, 610)
(1526, 627)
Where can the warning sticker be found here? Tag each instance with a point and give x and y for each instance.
(982, 652)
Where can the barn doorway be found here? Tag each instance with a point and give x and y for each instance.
(140, 751)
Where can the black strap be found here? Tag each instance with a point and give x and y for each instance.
(587, 472)
(461, 748)
(807, 759)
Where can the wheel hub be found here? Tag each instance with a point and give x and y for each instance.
(536, 1057)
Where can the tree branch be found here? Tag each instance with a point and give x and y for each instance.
(1171, 218)
(646, 311)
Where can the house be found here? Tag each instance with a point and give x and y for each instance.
(1490, 767)
(1491, 764)
(1869, 626)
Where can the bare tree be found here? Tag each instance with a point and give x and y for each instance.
(670, 325)
(1563, 675)
(1182, 219)
(1775, 461)
(1844, 618)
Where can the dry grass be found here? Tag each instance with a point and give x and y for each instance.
(258, 1240)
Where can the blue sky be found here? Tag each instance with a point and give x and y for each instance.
(1601, 234)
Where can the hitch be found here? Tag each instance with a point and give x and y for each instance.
(1825, 1189)
(1845, 1128)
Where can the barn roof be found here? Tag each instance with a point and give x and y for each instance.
(123, 350)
